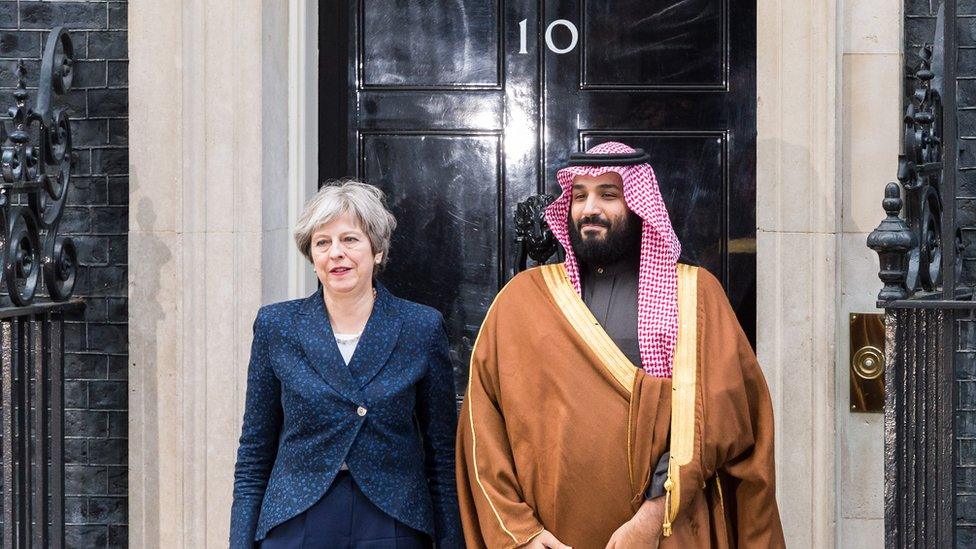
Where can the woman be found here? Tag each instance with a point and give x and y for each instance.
(348, 435)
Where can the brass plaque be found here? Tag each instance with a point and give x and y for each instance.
(867, 362)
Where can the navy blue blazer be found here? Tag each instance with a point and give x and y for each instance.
(390, 415)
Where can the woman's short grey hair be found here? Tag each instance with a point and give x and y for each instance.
(366, 203)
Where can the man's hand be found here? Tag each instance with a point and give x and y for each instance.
(545, 540)
(643, 530)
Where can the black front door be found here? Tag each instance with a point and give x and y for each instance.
(459, 109)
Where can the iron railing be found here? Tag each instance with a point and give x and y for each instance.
(36, 160)
(32, 424)
(35, 163)
(926, 303)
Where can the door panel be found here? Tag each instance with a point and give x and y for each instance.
(445, 250)
(641, 44)
(430, 43)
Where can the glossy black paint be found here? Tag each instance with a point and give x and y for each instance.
(429, 44)
(440, 109)
(634, 43)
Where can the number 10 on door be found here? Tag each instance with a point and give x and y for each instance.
(573, 32)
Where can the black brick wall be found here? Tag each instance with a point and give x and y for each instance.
(97, 218)
(966, 120)
(965, 474)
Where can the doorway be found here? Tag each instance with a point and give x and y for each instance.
(459, 109)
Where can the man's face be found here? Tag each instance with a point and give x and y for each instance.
(598, 202)
(602, 228)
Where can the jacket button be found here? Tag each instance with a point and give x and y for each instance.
(361, 411)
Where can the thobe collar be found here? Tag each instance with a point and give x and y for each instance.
(621, 266)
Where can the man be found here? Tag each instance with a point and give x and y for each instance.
(601, 383)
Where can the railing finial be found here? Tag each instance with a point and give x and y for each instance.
(892, 239)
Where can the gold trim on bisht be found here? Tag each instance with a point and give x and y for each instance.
(589, 329)
(683, 389)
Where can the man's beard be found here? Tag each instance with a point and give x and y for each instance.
(622, 240)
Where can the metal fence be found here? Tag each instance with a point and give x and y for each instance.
(32, 423)
(930, 314)
(36, 161)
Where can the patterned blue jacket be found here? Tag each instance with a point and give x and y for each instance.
(390, 415)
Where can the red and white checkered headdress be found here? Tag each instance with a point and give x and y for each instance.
(657, 294)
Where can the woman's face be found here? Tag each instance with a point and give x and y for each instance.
(343, 257)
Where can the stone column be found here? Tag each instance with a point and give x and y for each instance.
(798, 174)
(208, 160)
(828, 111)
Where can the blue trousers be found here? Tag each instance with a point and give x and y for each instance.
(344, 519)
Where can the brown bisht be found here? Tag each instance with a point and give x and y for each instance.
(560, 431)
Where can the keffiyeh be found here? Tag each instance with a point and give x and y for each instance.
(657, 297)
